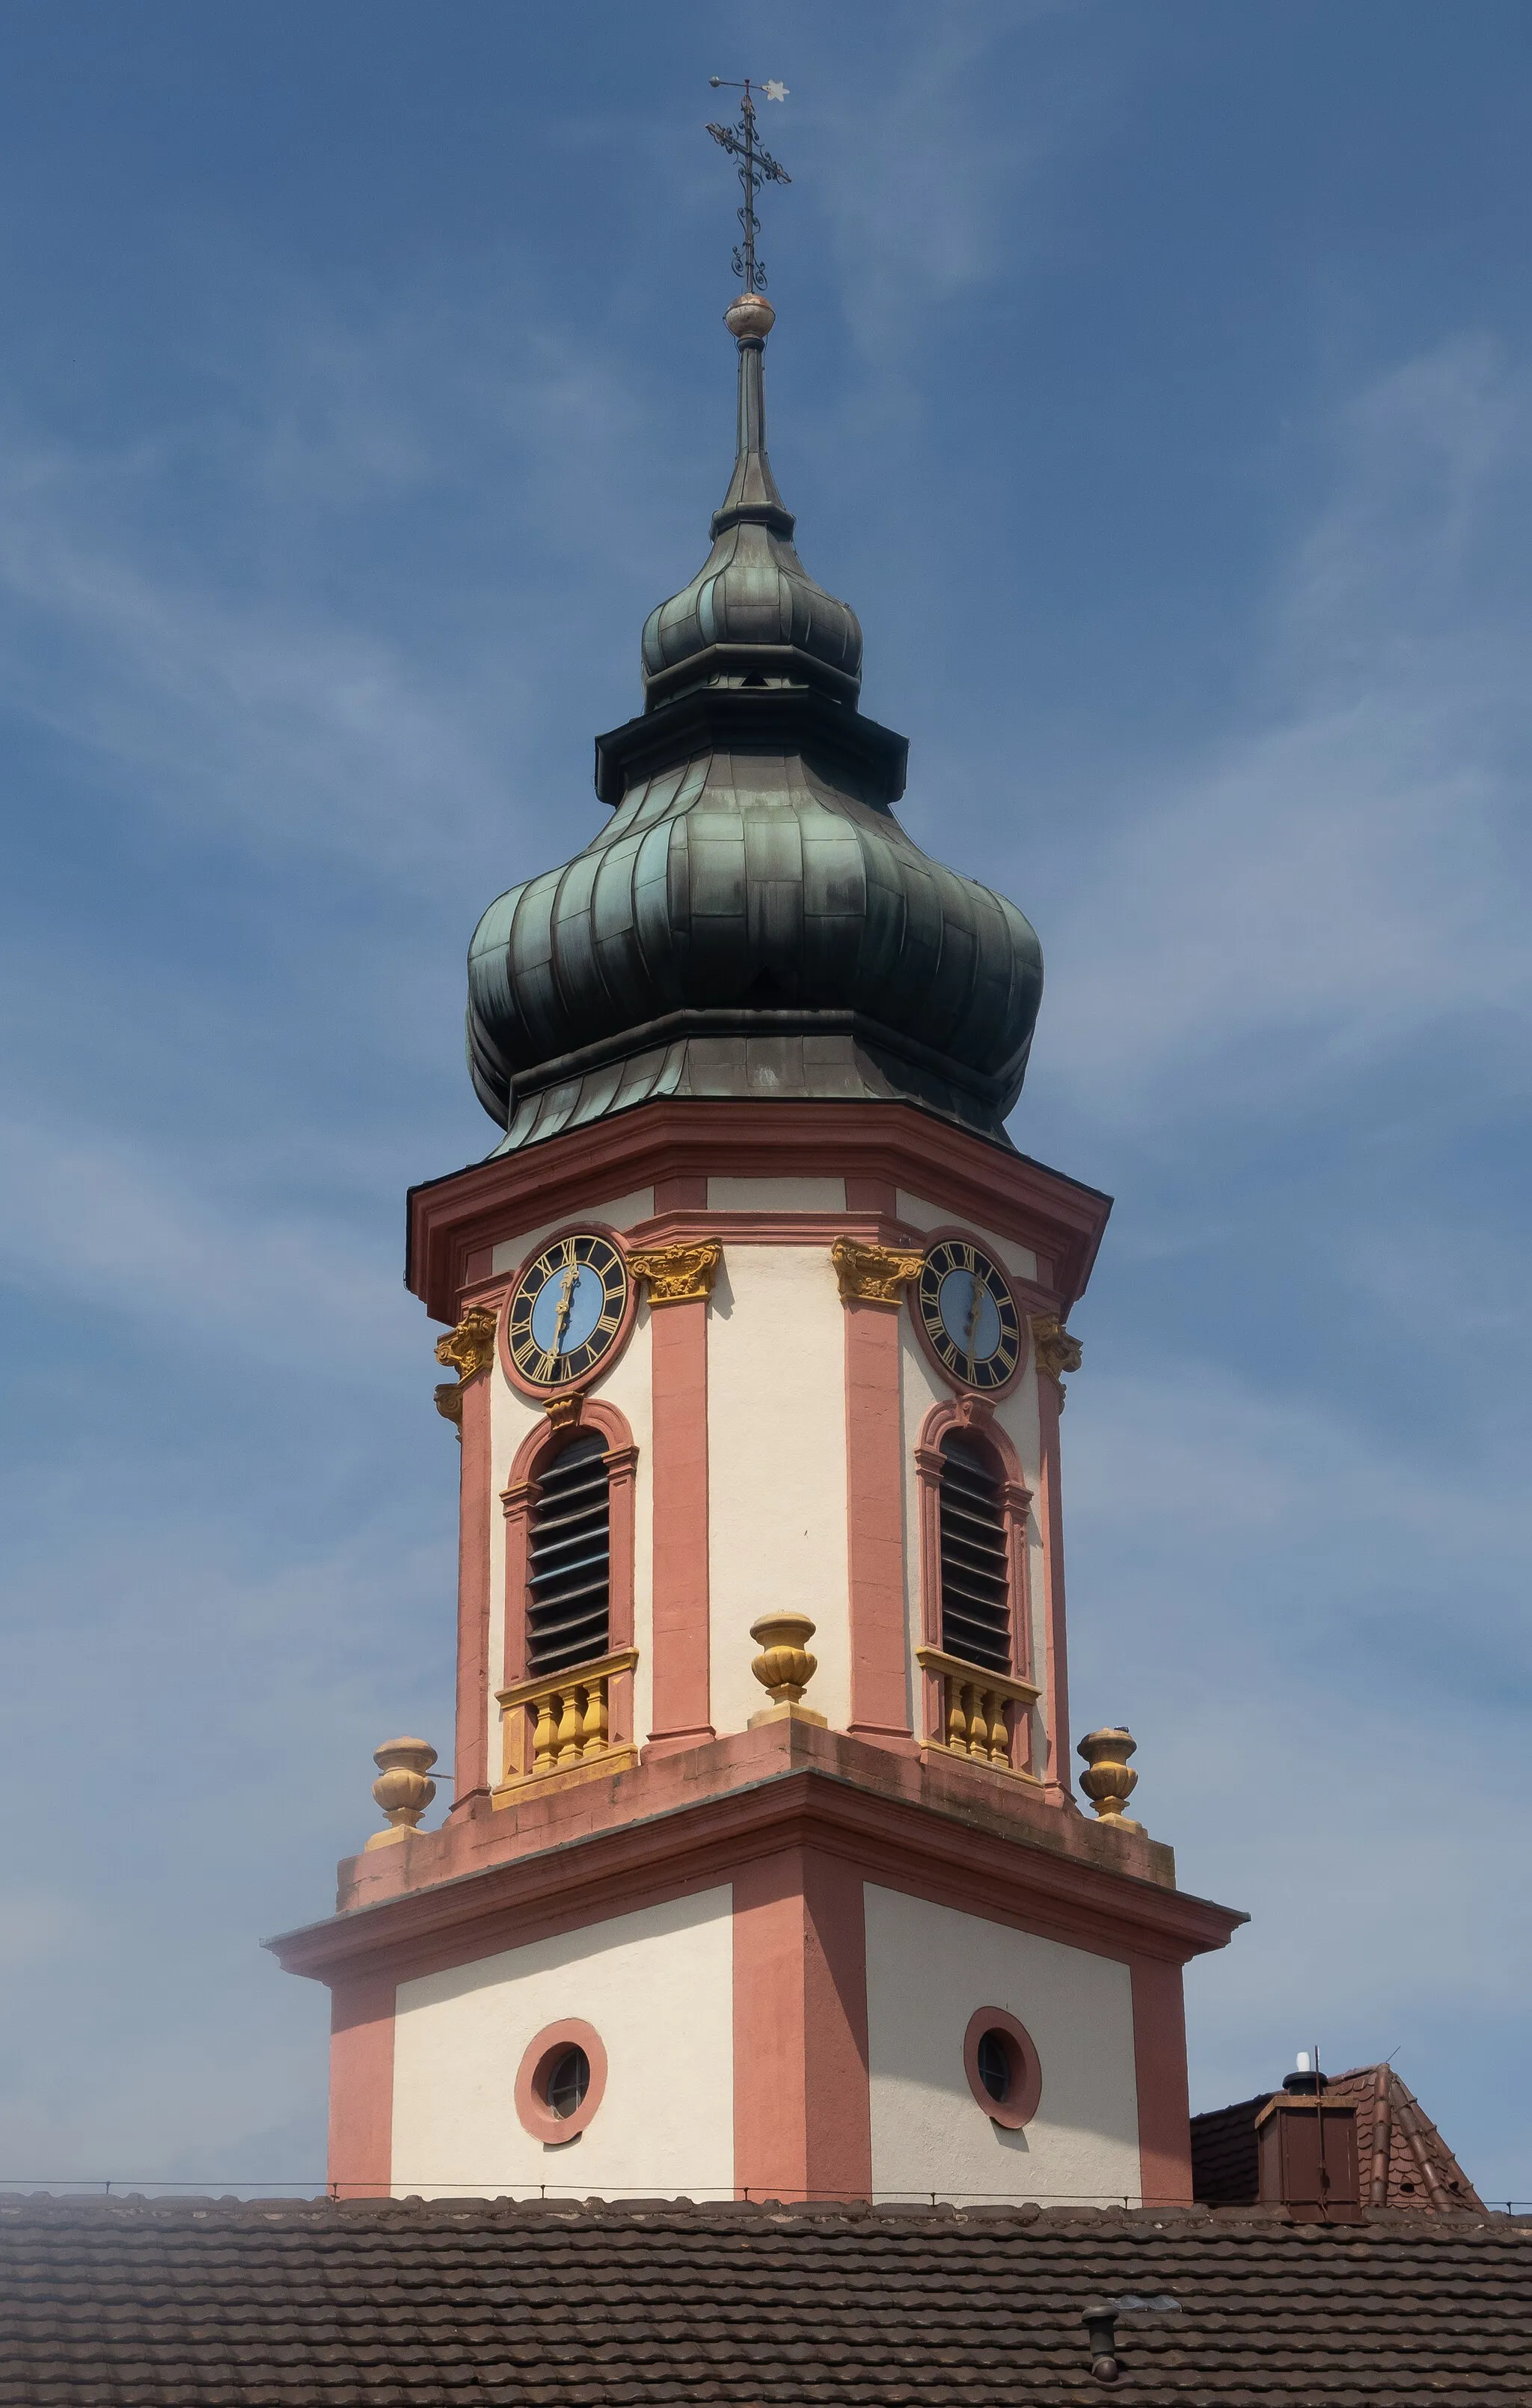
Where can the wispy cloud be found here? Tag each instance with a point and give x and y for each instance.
(1352, 871)
(1319, 1640)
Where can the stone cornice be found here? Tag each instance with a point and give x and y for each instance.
(455, 1219)
(938, 1832)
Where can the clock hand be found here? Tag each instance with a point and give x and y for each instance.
(566, 1306)
(971, 1331)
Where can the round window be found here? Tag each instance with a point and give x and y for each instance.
(1004, 2073)
(568, 2080)
(995, 2067)
(560, 2082)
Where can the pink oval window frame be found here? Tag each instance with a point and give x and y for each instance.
(538, 2059)
(1020, 2104)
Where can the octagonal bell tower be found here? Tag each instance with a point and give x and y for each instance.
(763, 1874)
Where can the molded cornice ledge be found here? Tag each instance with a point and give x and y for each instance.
(916, 1828)
(453, 1220)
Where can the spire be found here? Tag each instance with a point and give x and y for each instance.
(752, 616)
(753, 490)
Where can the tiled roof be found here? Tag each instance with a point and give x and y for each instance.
(1422, 2176)
(195, 2304)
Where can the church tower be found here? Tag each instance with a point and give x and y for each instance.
(763, 1874)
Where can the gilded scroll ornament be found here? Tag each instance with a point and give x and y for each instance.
(677, 1274)
(873, 1274)
(1057, 1352)
(469, 1348)
(448, 1396)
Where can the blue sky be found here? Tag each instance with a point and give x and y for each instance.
(1154, 380)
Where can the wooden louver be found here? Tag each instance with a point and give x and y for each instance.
(975, 1571)
(568, 1590)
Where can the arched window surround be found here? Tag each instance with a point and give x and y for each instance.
(570, 1419)
(975, 1418)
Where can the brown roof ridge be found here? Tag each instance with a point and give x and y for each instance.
(21, 2208)
(1447, 2187)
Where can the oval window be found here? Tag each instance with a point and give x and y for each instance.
(561, 2081)
(1004, 2075)
(995, 2066)
(568, 2080)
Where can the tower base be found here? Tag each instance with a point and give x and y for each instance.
(787, 1947)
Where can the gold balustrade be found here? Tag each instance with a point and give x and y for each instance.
(563, 1724)
(980, 1710)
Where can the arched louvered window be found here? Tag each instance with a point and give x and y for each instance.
(569, 1566)
(975, 1562)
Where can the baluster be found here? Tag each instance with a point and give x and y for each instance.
(957, 1721)
(593, 1728)
(545, 1742)
(999, 1733)
(569, 1727)
(978, 1733)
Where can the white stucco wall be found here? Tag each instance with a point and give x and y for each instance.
(620, 1212)
(776, 1195)
(658, 1986)
(929, 1967)
(921, 1215)
(777, 1469)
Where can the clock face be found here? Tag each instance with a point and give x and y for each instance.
(969, 1315)
(566, 1309)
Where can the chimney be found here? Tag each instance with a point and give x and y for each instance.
(1306, 2151)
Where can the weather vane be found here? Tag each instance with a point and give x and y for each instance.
(756, 167)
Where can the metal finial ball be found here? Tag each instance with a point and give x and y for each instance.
(751, 315)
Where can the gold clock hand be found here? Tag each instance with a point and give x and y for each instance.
(566, 1306)
(971, 1331)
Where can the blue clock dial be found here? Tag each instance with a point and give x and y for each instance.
(566, 1309)
(968, 1314)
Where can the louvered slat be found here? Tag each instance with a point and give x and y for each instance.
(569, 1586)
(975, 1566)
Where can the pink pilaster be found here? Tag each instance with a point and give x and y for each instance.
(679, 1356)
(1049, 1510)
(471, 1758)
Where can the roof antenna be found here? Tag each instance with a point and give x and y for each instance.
(756, 167)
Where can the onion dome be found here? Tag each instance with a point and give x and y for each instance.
(752, 920)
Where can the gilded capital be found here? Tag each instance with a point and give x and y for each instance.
(469, 1348)
(1057, 1352)
(873, 1274)
(677, 1274)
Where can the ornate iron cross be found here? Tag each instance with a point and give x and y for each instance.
(756, 167)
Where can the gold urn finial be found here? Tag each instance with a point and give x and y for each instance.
(401, 1788)
(1110, 1781)
(784, 1666)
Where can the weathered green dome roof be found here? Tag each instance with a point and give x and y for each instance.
(752, 920)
